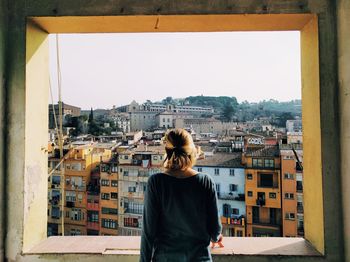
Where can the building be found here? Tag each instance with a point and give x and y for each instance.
(294, 125)
(228, 174)
(79, 165)
(67, 110)
(142, 120)
(135, 167)
(262, 191)
(166, 119)
(108, 211)
(292, 190)
(206, 125)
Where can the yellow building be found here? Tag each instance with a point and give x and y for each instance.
(262, 191)
(78, 166)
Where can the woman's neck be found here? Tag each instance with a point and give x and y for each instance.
(181, 173)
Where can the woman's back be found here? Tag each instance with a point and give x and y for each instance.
(180, 218)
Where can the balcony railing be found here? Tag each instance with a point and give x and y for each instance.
(260, 202)
(93, 225)
(300, 209)
(133, 211)
(93, 206)
(272, 223)
(232, 221)
(231, 196)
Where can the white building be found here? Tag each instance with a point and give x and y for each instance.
(228, 174)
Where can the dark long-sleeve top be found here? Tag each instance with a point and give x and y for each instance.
(180, 218)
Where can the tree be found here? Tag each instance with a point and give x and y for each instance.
(228, 112)
(91, 116)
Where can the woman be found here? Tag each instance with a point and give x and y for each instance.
(180, 215)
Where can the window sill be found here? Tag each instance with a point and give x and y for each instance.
(125, 245)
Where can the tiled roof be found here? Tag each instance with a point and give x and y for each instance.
(222, 160)
(267, 151)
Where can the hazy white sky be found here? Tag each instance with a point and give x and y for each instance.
(102, 70)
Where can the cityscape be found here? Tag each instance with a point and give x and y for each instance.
(100, 160)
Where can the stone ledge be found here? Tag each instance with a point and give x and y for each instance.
(125, 245)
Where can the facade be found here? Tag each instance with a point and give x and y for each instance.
(228, 174)
(262, 191)
(135, 167)
(294, 125)
(292, 192)
(142, 120)
(109, 197)
(75, 180)
(206, 125)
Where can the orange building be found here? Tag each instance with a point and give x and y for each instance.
(109, 197)
(262, 191)
(292, 192)
(93, 203)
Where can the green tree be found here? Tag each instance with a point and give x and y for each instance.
(228, 112)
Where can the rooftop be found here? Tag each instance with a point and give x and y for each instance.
(222, 160)
(267, 151)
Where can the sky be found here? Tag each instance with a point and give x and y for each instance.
(102, 70)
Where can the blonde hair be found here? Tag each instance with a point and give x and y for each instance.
(181, 153)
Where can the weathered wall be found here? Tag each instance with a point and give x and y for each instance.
(343, 10)
(3, 34)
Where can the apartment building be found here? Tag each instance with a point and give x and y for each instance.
(263, 191)
(292, 190)
(108, 211)
(227, 171)
(79, 165)
(135, 167)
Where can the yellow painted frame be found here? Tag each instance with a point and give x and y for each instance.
(307, 24)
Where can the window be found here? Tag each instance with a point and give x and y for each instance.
(233, 187)
(114, 195)
(199, 169)
(250, 193)
(232, 172)
(110, 211)
(265, 180)
(235, 211)
(299, 186)
(109, 223)
(257, 162)
(269, 162)
(217, 171)
(105, 196)
(114, 183)
(104, 182)
(75, 232)
(92, 216)
(132, 189)
(249, 177)
(289, 196)
(126, 157)
(272, 195)
(76, 214)
(126, 173)
(288, 176)
(131, 222)
(155, 157)
(290, 216)
(217, 187)
(70, 196)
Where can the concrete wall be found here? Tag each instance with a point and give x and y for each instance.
(3, 34)
(343, 11)
(15, 99)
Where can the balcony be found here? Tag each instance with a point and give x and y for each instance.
(269, 223)
(93, 189)
(93, 206)
(70, 204)
(232, 221)
(260, 202)
(93, 225)
(300, 209)
(133, 211)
